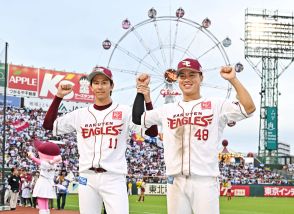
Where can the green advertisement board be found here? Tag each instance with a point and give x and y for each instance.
(271, 128)
(2, 69)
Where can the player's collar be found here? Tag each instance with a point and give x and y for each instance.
(101, 108)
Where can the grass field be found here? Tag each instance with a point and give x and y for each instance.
(238, 205)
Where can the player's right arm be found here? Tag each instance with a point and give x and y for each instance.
(143, 94)
(51, 115)
(138, 107)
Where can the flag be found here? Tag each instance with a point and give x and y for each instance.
(20, 125)
(137, 138)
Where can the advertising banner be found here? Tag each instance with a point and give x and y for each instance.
(272, 128)
(50, 79)
(2, 74)
(65, 106)
(2, 77)
(22, 81)
(155, 189)
(237, 190)
(10, 101)
(278, 191)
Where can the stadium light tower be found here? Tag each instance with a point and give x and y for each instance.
(269, 40)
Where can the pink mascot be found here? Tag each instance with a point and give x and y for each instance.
(49, 156)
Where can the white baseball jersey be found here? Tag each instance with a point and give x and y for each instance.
(191, 133)
(101, 136)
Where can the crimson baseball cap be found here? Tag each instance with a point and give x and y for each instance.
(189, 64)
(100, 70)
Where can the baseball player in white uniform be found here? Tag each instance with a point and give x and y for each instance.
(102, 134)
(192, 129)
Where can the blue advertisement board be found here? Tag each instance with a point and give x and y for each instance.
(10, 101)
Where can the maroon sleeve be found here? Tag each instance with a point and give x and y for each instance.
(149, 106)
(152, 131)
(51, 114)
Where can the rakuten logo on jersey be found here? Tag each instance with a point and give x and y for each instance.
(197, 120)
(103, 130)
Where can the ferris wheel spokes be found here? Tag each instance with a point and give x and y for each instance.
(134, 86)
(190, 44)
(139, 37)
(160, 43)
(174, 43)
(138, 59)
(135, 73)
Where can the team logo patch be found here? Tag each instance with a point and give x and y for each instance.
(170, 179)
(117, 115)
(206, 105)
(82, 180)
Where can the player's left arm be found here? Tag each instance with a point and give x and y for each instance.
(243, 95)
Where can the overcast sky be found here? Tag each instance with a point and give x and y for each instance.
(67, 35)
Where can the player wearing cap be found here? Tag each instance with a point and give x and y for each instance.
(192, 129)
(102, 134)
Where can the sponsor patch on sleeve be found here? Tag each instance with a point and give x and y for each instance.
(170, 179)
(82, 180)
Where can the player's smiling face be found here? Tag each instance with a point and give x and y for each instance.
(101, 87)
(189, 83)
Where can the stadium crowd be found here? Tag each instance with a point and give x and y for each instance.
(241, 173)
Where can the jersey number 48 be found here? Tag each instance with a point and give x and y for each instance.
(201, 134)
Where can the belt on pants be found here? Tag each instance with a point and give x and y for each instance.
(98, 170)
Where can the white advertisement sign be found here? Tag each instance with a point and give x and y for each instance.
(155, 189)
(65, 106)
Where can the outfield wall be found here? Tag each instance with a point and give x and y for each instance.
(256, 190)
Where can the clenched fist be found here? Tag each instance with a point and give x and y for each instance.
(64, 88)
(228, 72)
(143, 79)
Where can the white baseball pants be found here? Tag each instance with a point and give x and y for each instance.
(106, 187)
(193, 194)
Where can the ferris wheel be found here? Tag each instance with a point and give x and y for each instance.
(155, 46)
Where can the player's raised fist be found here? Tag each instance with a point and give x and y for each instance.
(143, 79)
(64, 88)
(228, 72)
